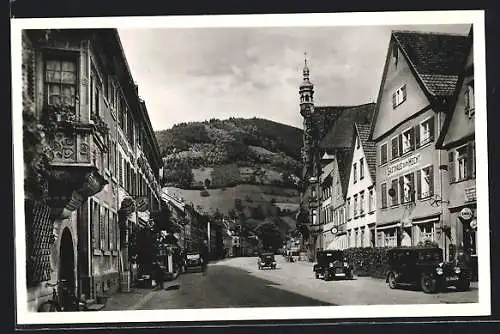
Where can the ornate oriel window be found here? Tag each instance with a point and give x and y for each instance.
(60, 80)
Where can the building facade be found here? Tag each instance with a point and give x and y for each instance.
(361, 192)
(418, 82)
(81, 88)
(458, 139)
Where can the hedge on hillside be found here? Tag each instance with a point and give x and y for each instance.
(369, 261)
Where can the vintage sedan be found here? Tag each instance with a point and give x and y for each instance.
(266, 260)
(333, 264)
(425, 268)
(193, 261)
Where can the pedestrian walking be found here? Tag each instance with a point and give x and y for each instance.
(159, 275)
(204, 256)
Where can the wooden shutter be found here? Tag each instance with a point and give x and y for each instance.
(395, 187)
(470, 161)
(106, 229)
(401, 189)
(419, 184)
(431, 129)
(412, 138)
(431, 180)
(102, 229)
(451, 166)
(394, 100)
(95, 224)
(400, 144)
(416, 129)
(466, 101)
(394, 148)
(412, 187)
(403, 89)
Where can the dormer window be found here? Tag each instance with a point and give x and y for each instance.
(469, 100)
(399, 96)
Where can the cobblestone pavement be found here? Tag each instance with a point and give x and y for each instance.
(299, 278)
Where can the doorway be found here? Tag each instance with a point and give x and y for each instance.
(66, 268)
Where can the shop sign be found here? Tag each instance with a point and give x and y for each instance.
(334, 230)
(403, 165)
(466, 214)
(470, 193)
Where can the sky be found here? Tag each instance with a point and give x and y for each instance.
(194, 74)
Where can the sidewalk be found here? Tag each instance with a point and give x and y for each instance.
(122, 301)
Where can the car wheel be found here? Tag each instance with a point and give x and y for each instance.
(463, 285)
(428, 283)
(326, 276)
(317, 275)
(350, 275)
(391, 279)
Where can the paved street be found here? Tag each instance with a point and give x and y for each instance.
(238, 283)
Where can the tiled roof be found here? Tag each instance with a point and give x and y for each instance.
(437, 58)
(340, 134)
(325, 116)
(369, 147)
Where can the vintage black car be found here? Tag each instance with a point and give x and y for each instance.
(333, 264)
(425, 268)
(266, 260)
(193, 261)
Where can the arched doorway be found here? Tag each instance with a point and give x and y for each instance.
(67, 268)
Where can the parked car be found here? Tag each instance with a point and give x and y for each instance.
(193, 261)
(425, 268)
(332, 264)
(266, 260)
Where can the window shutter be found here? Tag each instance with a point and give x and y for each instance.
(412, 138)
(400, 144)
(416, 129)
(470, 161)
(451, 166)
(466, 100)
(101, 228)
(394, 147)
(412, 187)
(419, 184)
(395, 187)
(393, 100)
(401, 189)
(431, 180)
(431, 129)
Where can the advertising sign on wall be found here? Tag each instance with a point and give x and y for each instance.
(403, 165)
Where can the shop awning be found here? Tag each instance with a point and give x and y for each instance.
(425, 220)
(388, 226)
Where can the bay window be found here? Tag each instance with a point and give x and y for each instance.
(60, 81)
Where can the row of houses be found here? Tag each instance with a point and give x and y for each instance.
(401, 171)
(92, 168)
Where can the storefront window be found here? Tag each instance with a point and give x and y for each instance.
(390, 238)
(426, 232)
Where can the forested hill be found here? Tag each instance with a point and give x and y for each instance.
(221, 153)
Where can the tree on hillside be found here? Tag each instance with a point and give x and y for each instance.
(270, 235)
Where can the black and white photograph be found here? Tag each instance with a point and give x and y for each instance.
(250, 167)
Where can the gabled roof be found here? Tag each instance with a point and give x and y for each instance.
(369, 147)
(449, 115)
(344, 159)
(340, 134)
(435, 60)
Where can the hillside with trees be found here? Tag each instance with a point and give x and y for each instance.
(246, 168)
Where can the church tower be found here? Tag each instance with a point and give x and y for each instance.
(306, 92)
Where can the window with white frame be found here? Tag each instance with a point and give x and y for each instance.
(399, 96)
(362, 202)
(426, 232)
(407, 185)
(425, 182)
(371, 201)
(355, 205)
(395, 147)
(408, 140)
(426, 132)
(469, 100)
(314, 216)
(390, 238)
(348, 209)
(462, 163)
(354, 172)
(394, 187)
(60, 80)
